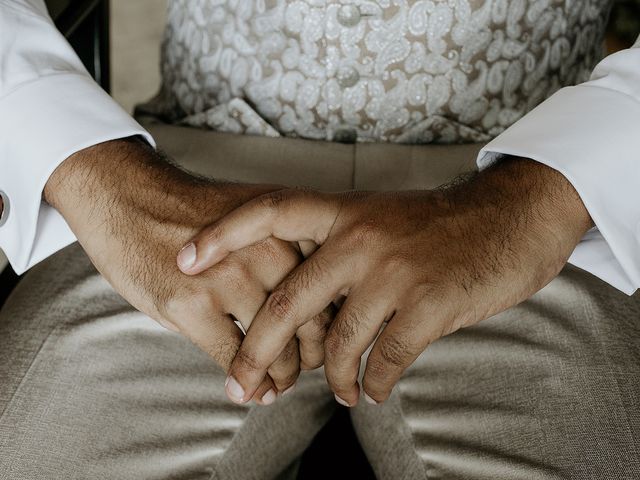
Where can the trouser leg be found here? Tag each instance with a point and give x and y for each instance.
(548, 389)
(91, 388)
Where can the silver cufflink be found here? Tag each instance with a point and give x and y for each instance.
(5, 208)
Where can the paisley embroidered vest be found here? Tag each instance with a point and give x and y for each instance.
(408, 71)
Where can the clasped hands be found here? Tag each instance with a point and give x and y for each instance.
(423, 264)
(406, 267)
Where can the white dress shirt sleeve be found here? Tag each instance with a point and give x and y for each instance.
(50, 108)
(591, 134)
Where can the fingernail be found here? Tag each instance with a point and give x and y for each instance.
(341, 401)
(234, 390)
(369, 400)
(187, 256)
(289, 390)
(269, 397)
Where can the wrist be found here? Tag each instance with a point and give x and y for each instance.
(523, 214)
(91, 170)
(546, 192)
(530, 192)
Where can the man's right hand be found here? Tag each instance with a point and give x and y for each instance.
(131, 211)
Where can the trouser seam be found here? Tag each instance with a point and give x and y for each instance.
(411, 438)
(354, 165)
(26, 374)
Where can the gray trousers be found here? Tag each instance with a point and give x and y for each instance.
(91, 388)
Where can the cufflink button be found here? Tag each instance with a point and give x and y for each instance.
(5, 208)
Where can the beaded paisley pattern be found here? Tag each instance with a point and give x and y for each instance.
(407, 71)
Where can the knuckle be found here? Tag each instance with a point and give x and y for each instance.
(193, 303)
(365, 233)
(427, 293)
(311, 352)
(450, 323)
(344, 330)
(283, 379)
(393, 351)
(275, 254)
(333, 346)
(311, 333)
(321, 324)
(314, 271)
(289, 353)
(212, 235)
(269, 250)
(314, 332)
(232, 270)
(202, 303)
(274, 200)
(399, 262)
(311, 362)
(280, 304)
(347, 326)
(247, 360)
(377, 369)
(302, 190)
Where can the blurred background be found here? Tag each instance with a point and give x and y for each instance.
(136, 34)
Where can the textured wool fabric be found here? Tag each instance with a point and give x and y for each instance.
(90, 388)
(93, 389)
(548, 389)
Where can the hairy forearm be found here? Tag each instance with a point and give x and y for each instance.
(130, 172)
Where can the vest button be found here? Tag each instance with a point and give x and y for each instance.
(348, 15)
(347, 76)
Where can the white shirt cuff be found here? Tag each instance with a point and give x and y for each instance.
(589, 134)
(44, 122)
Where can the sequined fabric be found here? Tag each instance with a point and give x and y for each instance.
(407, 71)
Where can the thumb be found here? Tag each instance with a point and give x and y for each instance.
(290, 215)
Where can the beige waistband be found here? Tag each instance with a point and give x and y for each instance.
(317, 164)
